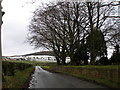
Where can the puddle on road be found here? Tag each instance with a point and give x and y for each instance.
(33, 80)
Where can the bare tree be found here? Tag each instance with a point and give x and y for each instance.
(58, 27)
(63, 26)
(98, 20)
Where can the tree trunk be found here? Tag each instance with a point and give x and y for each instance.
(58, 60)
(93, 57)
(72, 60)
(63, 61)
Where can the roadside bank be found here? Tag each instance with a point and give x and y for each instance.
(105, 75)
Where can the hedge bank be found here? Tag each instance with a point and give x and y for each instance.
(106, 75)
(16, 74)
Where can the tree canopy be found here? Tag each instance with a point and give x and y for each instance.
(79, 30)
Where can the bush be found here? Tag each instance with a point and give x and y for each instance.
(115, 59)
(19, 81)
(9, 68)
(104, 61)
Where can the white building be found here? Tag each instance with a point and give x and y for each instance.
(41, 58)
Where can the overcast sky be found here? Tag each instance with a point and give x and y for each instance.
(15, 26)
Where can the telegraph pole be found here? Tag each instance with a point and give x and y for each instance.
(1, 14)
(1, 22)
(0, 29)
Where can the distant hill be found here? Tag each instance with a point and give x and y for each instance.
(51, 53)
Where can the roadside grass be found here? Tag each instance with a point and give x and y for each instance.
(45, 67)
(20, 77)
(18, 80)
(97, 66)
(102, 81)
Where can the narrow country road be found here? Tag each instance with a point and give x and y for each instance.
(44, 79)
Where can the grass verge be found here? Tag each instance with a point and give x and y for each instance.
(97, 66)
(18, 80)
(75, 71)
(104, 82)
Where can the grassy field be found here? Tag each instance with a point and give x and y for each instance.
(104, 75)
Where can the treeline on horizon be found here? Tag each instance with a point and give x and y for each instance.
(80, 30)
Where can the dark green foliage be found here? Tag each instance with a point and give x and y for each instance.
(3, 79)
(104, 61)
(96, 45)
(21, 66)
(117, 49)
(97, 39)
(115, 59)
(81, 55)
(97, 63)
(9, 68)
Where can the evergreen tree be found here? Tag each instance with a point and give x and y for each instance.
(115, 59)
(96, 45)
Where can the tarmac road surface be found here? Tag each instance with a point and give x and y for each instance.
(44, 79)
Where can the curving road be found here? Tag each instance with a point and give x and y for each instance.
(44, 79)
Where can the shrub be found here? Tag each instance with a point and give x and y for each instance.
(104, 61)
(115, 58)
(9, 68)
